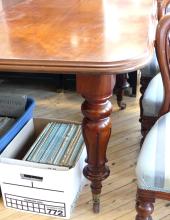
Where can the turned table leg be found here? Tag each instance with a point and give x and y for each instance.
(96, 126)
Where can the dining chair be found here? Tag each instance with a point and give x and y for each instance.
(123, 82)
(150, 103)
(153, 165)
(120, 86)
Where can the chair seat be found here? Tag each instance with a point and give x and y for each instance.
(151, 69)
(153, 166)
(153, 97)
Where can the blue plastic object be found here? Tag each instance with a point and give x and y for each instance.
(13, 131)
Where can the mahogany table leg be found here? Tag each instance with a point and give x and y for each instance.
(96, 126)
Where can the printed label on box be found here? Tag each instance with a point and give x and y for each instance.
(33, 205)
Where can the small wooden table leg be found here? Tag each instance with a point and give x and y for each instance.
(96, 126)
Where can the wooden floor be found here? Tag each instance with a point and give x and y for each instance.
(118, 194)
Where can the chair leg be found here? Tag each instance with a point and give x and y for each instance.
(144, 83)
(133, 82)
(144, 204)
(119, 95)
(121, 84)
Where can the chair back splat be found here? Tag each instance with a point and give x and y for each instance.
(163, 55)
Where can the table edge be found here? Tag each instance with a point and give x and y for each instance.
(52, 66)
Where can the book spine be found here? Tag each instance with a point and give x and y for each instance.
(55, 144)
(65, 145)
(71, 147)
(32, 149)
(35, 148)
(44, 144)
(76, 153)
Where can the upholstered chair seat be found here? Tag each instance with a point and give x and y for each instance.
(153, 97)
(153, 166)
(151, 103)
(151, 69)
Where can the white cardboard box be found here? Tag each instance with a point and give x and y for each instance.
(39, 188)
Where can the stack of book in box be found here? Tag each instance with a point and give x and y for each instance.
(58, 144)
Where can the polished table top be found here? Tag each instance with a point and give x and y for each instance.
(76, 35)
(80, 36)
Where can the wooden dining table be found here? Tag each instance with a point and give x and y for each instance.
(94, 39)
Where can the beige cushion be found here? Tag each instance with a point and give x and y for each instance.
(153, 97)
(153, 166)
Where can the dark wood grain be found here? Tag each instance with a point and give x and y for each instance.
(92, 36)
(96, 127)
(144, 204)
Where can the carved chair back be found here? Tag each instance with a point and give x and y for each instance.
(163, 55)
